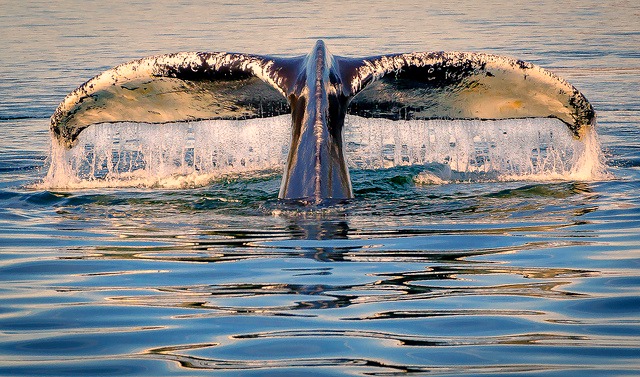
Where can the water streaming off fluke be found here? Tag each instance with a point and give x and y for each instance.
(197, 153)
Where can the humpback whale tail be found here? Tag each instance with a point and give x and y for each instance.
(319, 90)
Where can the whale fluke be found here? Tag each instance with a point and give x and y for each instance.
(319, 90)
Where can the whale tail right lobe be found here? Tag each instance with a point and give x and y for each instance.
(459, 85)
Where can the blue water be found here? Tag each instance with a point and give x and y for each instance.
(471, 276)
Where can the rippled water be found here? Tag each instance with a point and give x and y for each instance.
(472, 275)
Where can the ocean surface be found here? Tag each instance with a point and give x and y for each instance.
(471, 248)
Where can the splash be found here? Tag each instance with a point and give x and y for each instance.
(476, 150)
(180, 155)
(174, 155)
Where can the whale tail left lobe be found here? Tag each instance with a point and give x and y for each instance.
(175, 88)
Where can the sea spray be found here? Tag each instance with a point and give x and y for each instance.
(192, 154)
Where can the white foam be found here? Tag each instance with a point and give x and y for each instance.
(195, 154)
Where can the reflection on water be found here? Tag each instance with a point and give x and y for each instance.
(341, 289)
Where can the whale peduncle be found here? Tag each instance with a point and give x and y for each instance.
(316, 167)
